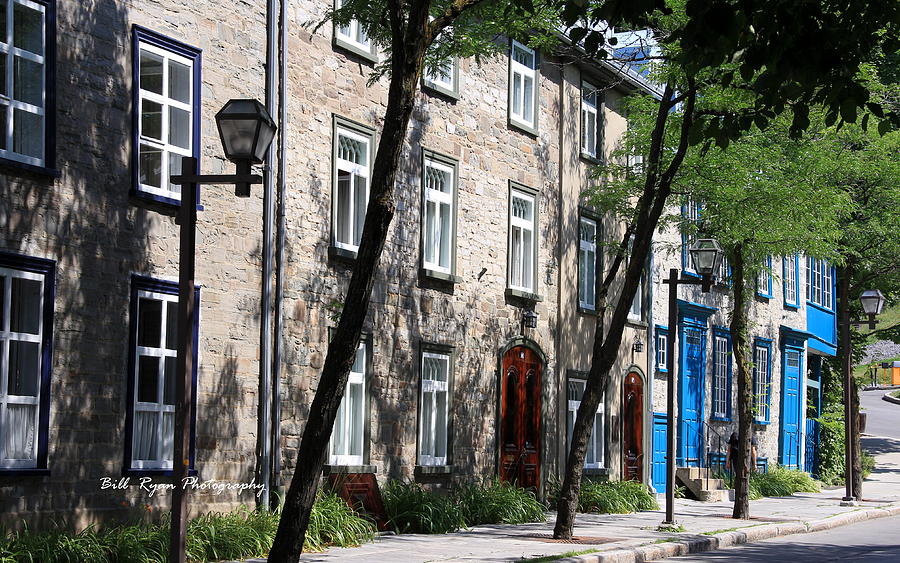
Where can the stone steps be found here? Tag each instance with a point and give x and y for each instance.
(702, 485)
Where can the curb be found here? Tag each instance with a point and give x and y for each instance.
(698, 544)
(887, 397)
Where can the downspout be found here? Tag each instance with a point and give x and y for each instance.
(651, 370)
(265, 336)
(561, 305)
(279, 255)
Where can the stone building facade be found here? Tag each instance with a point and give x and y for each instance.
(450, 384)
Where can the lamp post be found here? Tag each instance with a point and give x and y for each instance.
(706, 254)
(246, 130)
(872, 303)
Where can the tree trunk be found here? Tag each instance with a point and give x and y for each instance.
(606, 345)
(857, 474)
(740, 348)
(406, 64)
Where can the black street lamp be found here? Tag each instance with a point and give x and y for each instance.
(872, 301)
(706, 254)
(246, 130)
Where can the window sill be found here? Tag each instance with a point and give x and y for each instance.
(341, 254)
(585, 311)
(820, 307)
(161, 204)
(523, 127)
(763, 296)
(792, 306)
(431, 470)
(434, 89)
(636, 323)
(523, 295)
(596, 472)
(761, 422)
(439, 276)
(30, 169)
(720, 419)
(355, 50)
(342, 469)
(24, 472)
(590, 159)
(154, 473)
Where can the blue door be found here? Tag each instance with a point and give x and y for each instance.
(790, 409)
(658, 472)
(690, 428)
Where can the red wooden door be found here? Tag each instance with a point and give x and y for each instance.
(520, 417)
(633, 428)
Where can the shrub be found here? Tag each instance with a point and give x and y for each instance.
(412, 509)
(868, 463)
(615, 497)
(210, 537)
(831, 445)
(781, 482)
(496, 502)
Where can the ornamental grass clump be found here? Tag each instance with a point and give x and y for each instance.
(781, 482)
(496, 502)
(412, 509)
(615, 497)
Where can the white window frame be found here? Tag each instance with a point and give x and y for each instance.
(433, 387)
(518, 256)
(595, 453)
(587, 261)
(7, 335)
(167, 189)
(761, 366)
(692, 215)
(353, 37)
(432, 239)
(662, 350)
(591, 108)
(518, 74)
(355, 171)
(344, 422)
(790, 280)
(445, 79)
(764, 279)
(819, 283)
(721, 367)
(10, 52)
(164, 440)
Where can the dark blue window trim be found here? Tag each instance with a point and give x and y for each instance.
(47, 268)
(49, 167)
(723, 332)
(767, 344)
(144, 283)
(660, 331)
(766, 292)
(791, 304)
(139, 35)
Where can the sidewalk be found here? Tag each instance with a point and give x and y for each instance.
(633, 537)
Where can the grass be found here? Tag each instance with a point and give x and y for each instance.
(615, 497)
(240, 534)
(896, 393)
(560, 556)
(777, 482)
(413, 509)
(674, 528)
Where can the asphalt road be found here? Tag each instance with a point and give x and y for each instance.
(883, 417)
(873, 541)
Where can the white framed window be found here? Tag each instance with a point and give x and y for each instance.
(22, 332)
(819, 282)
(723, 273)
(434, 400)
(761, 369)
(166, 104)
(523, 85)
(595, 455)
(522, 248)
(591, 121)
(662, 350)
(587, 263)
(26, 49)
(438, 215)
(790, 279)
(721, 377)
(348, 436)
(156, 338)
(764, 279)
(352, 169)
(444, 78)
(354, 38)
(636, 311)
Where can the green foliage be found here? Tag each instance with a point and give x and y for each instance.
(240, 534)
(868, 463)
(413, 509)
(611, 497)
(781, 482)
(831, 444)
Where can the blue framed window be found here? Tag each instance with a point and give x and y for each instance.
(819, 283)
(153, 338)
(662, 350)
(791, 277)
(764, 280)
(27, 93)
(26, 331)
(166, 120)
(721, 380)
(690, 213)
(762, 380)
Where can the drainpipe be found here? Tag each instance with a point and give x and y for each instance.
(279, 254)
(265, 336)
(651, 369)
